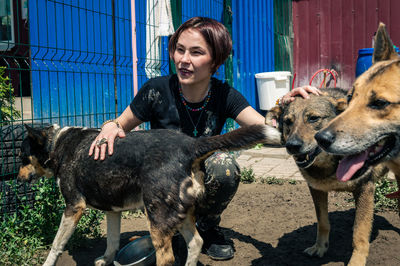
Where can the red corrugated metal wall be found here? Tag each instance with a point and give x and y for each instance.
(329, 33)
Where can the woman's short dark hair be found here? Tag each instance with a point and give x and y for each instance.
(214, 33)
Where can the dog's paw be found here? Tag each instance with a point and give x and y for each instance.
(317, 250)
(101, 261)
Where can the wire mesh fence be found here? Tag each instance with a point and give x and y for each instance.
(70, 63)
(80, 63)
(64, 62)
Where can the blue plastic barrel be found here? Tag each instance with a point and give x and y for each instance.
(364, 60)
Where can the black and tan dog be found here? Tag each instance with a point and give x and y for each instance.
(368, 132)
(157, 169)
(298, 122)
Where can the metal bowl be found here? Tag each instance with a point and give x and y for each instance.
(139, 252)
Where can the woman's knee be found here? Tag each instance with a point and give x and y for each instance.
(222, 170)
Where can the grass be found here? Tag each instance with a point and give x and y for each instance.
(271, 180)
(31, 230)
(247, 175)
(258, 146)
(132, 214)
(383, 187)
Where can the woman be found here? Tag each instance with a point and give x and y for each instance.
(198, 105)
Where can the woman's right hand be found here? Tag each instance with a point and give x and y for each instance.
(105, 140)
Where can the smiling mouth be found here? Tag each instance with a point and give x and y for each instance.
(353, 166)
(305, 160)
(185, 72)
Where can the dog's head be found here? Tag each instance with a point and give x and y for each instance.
(35, 153)
(368, 131)
(301, 119)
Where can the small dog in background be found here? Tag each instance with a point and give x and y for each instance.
(298, 122)
(157, 169)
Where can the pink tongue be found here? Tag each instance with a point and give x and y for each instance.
(349, 165)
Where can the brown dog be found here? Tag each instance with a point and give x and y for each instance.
(368, 132)
(298, 122)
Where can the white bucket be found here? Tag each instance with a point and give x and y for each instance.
(271, 86)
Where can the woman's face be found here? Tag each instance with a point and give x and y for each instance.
(192, 58)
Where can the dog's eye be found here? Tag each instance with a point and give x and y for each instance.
(25, 161)
(288, 122)
(313, 118)
(349, 97)
(378, 104)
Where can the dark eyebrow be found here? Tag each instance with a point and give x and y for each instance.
(191, 48)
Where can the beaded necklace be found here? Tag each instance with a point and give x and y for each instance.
(188, 108)
(195, 109)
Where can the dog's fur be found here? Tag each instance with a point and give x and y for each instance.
(298, 122)
(370, 128)
(157, 169)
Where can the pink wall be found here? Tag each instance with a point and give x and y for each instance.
(329, 33)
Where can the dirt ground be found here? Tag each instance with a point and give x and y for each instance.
(272, 225)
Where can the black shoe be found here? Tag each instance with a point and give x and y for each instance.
(215, 244)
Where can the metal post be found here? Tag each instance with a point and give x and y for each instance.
(114, 58)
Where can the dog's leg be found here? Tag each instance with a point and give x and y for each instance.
(69, 220)
(113, 237)
(364, 197)
(162, 242)
(192, 238)
(320, 199)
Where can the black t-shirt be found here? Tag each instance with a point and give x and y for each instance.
(159, 102)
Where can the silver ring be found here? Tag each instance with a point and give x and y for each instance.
(101, 142)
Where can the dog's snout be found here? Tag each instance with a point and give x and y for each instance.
(325, 138)
(293, 145)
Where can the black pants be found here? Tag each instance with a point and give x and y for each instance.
(221, 181)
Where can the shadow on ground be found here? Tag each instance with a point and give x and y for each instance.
(289, 250)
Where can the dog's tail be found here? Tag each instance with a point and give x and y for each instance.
(241, 138)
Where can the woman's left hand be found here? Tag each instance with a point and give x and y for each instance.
(304, 91)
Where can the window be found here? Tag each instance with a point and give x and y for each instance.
(6, 25)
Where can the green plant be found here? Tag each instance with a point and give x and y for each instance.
(383, 187)
(132, 214)
(31, 230)
(247, 175)
(271, 180)
(7, 99)
(258, 146)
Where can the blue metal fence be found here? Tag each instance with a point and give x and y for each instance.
(253, 44)
(81, 64)
(81, 60)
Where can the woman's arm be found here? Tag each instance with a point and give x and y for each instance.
(124, 123)
(249, 116)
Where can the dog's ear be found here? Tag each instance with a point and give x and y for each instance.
(35, 134)
(273, 115)
(383, 46)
